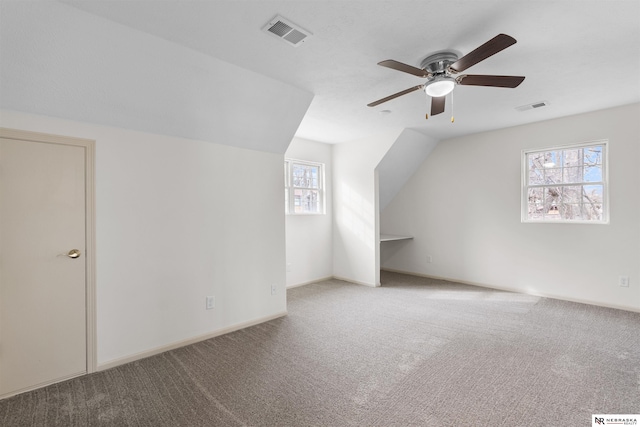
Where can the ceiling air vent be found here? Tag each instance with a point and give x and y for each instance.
(286, 30)
(538, 104)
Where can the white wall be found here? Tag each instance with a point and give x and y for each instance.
(400, 162)
(177, 220)
(309, 237)
(355, 208)
(463, 208)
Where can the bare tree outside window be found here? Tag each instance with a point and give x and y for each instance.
(565, 184)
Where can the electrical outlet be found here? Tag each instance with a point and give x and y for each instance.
(274, 290)
(211, 302)
(429, 259)
(288, 267)
(624, 281)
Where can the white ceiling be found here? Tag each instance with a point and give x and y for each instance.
(577, 55)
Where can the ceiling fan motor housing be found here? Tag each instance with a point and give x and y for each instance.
(438, 63)
(440, 83)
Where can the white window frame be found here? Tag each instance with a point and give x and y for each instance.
(289, 188)
(525, 186)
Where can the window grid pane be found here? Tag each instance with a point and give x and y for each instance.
(305, 176)
(306, 201)
(303, 188)
(565, 184)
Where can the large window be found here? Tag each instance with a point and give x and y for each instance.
(304, 187)
(566, 184)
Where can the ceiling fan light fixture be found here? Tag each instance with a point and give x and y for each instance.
(440, 87)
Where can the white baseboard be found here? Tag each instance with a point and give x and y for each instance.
(344, 279)
(148, 353)
(371, 285)
(297, 285)
(43, 384)
(516, 290)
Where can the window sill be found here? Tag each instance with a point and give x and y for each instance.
(527, 221)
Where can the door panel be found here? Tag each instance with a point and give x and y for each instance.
(42, 290)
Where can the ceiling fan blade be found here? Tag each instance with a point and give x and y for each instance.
(437, 105)
(395, 95)
(493, 46)
(390, 63)
(488, 80)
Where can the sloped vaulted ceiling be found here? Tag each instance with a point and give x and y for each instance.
(167, 63)
(59, 61)
(579, 55)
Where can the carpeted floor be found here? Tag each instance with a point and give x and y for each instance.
(415, 352)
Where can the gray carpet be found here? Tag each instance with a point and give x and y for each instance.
(415, 352)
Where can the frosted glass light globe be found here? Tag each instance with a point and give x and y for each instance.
(440, 87)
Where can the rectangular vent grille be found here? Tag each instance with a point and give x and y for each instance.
(538, 104)
(280, 29)
(287, 31)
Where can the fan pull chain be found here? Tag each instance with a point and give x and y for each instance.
(426, 116)
(452, 118)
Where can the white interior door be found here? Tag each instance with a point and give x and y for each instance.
(43, 319)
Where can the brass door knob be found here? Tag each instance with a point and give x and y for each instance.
(73, 253)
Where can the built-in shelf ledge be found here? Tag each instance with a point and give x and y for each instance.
(392, 237)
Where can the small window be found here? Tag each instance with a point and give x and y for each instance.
(566, 184)
(304, 187)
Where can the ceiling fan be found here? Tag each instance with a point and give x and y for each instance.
(440, 69)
